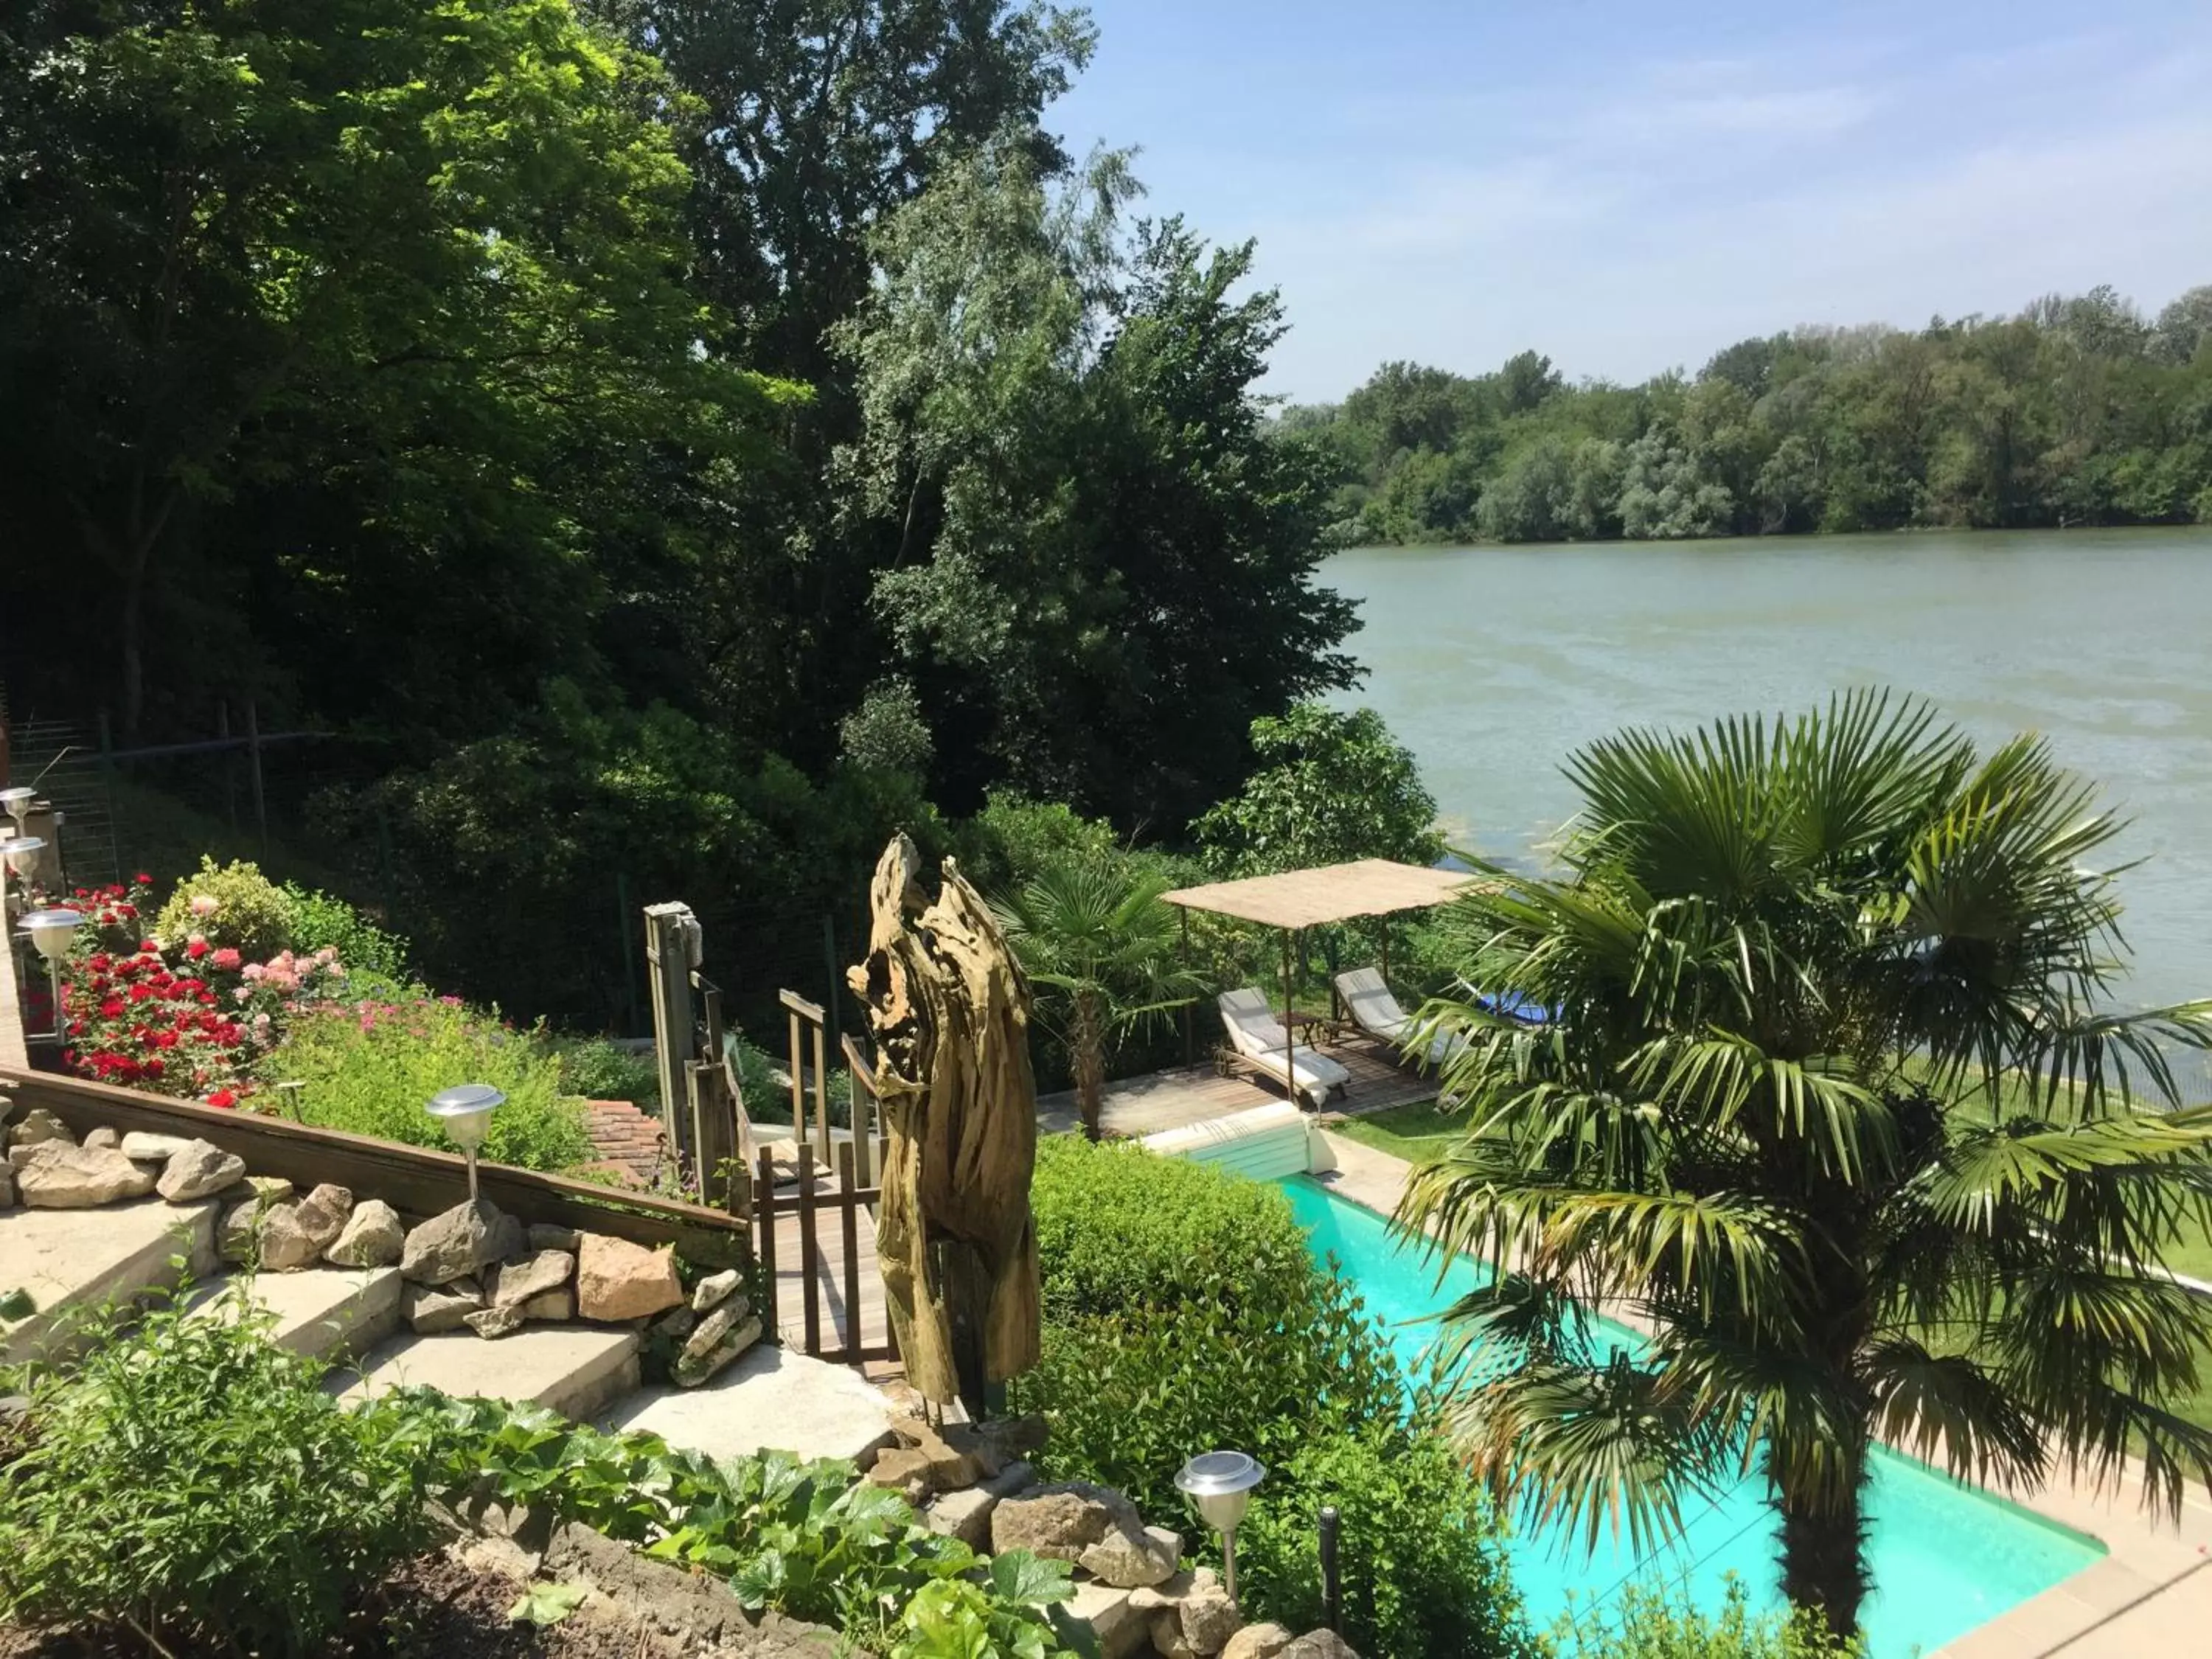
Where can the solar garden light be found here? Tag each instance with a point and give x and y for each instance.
(1219, 1485)
(16, 803)
(18, 850)
(52, 930)
(465, 1110)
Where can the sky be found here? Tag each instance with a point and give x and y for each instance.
(1628, 186)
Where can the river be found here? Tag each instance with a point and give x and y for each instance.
(1493, 663)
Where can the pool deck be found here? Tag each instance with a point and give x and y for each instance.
(2148, 1598)
(1176, 1098)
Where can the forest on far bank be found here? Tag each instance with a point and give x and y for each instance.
(2078, 411)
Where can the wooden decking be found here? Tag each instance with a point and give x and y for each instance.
(1196, 1094)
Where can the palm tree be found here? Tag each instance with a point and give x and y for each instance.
(1834, 1101)
(1104, 941)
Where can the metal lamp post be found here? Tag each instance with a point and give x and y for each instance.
(1220, 1484)
(465, 1111)
(51, 930)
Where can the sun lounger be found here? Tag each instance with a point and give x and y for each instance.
(1258, 1038)
(1366, 997)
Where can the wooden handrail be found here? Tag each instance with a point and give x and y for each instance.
(412, 1178)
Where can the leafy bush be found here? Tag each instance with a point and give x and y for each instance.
(370, 1067)
(1650, 1624)
(233, 906)
(1184, 1312)
(596, 1069)
(805, 1539)
(1419, 1563)
(193, 1481)
(320, 920)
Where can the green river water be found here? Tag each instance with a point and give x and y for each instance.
(1493, 662)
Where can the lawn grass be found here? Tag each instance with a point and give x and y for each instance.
(1416, 1132)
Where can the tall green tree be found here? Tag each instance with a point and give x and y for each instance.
(1836, 1098)
(1331, 786)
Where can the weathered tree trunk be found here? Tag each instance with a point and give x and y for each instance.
(1824, 1549)
(950, 1011)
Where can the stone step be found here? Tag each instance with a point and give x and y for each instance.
(575, 1369)
(72, 1262)
(771, 1398)
(329, 1313)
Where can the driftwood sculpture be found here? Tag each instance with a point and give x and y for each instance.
(950, 1009)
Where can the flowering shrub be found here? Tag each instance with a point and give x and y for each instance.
(193, 1029)
(232, 906)
(112, 913)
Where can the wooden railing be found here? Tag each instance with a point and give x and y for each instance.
(848, 1204)
(413, 1179)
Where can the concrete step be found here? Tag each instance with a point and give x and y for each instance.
(771, 1398)
(73, 1262)
(575, 1369)
(330, 1313)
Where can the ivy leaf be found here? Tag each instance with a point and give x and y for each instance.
(544, 1605)
(1030, 1580)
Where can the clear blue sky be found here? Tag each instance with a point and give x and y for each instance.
(1629, 184)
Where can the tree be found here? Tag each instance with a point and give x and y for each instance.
(405, 277)
(1332, 786)
(1098, 936)
(1833, 1096)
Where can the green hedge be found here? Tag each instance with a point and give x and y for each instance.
(1184, 1314)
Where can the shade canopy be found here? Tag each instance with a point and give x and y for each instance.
(1335, 892)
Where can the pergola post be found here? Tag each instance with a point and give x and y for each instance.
(1290, 1030)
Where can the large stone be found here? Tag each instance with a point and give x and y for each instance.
(518, 1282)
(373, 1237)
(544, 1236)
(38, 1126)
(708, 1334)
(1120, 1628)
(715, 1289)
(1096, 1527)
(495, 1321)
(965, 1515)
(197, 1170)
(7, 1186)
(676, 1324)
(60, 1175)
(431, 1308)
(553, 1307)
(323, 1213)
(460, 1241)
(287, 1246)
(1209, 1617)
(693, 1369)
(1320, 1644)
(617, 1279)
(1258, 1642)
(103, 1139)
(146, 1147)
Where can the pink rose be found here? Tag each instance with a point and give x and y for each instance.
(225, 959)
(205, 904)
(252, 971)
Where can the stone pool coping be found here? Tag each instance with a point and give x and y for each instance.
(2150, 1596)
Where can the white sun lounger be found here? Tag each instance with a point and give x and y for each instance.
(1258, 1036)
(1366, 997)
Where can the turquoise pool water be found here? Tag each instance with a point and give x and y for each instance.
(1946, 1557)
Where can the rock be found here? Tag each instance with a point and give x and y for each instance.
(1148, 1555)
(677, 1325)
(1167, 1640)
(143, 1147)
(516, 1282)
(1258, 1642)
(495, 1321)
(38, 1126)
(459, 1242)
(1094, 1527)
(294, 1236)
(60, 1175)
(715, 1289)
(965, 1515)
(199, 1169)
(7, 1186)
(544, 1236)
(691, 1370)
(1320, 1644)
(103, 1139)
(552, 1307)
(1011, 1481)
(1121, 1629)
(372, 1236)
(710, 1331)
(234, 1238)
(432, 1308)
(617, 1279)
(325, 1212)
(1209, 1617)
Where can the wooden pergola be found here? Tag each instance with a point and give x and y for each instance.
(1298, 899)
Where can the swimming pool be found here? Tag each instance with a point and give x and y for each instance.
(1946, 1557)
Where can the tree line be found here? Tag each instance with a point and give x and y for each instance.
(688, 441)
(2078, 411)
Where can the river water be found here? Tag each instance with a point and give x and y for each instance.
(1493, 663)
